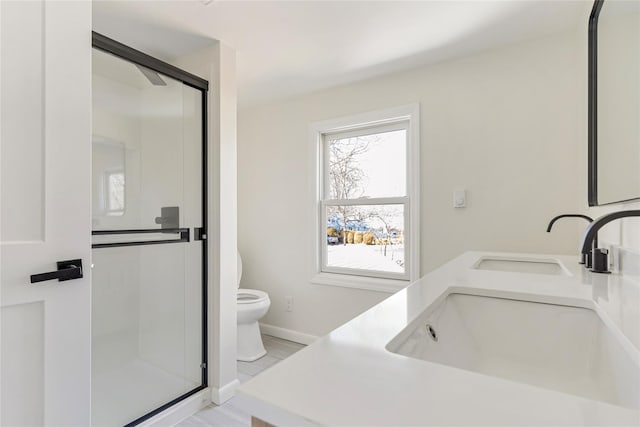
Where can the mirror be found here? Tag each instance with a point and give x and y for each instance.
(614, 102)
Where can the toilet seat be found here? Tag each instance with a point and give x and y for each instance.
(251, 296)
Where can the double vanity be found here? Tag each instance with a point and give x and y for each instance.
(486, 339)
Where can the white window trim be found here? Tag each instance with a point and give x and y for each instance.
(410, 113)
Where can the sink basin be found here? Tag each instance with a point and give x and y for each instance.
(563, 348)
(522, 265)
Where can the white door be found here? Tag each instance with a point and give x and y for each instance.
(45, 139)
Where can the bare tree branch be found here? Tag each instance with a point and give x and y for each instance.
(346, 176)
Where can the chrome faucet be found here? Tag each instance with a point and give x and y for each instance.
(584, 258)
(599, 256)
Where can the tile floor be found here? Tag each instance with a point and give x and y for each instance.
(231, 414)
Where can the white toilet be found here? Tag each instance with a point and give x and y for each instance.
(252, 305)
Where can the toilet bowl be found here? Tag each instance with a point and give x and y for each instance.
(251, 306)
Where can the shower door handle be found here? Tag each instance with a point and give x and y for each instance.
(67, 270)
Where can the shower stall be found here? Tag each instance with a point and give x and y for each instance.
(149, 252)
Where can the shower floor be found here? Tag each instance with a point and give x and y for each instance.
(124, 393)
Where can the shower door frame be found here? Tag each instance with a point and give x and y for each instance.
(130, 54)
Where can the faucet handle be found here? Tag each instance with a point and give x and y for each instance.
(586, 260)
(600, 260)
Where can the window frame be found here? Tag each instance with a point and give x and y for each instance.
(402, 117)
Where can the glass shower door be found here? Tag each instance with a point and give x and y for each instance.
(148, 260)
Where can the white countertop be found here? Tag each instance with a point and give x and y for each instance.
(349, 378)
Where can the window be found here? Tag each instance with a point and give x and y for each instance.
(366, 199)
(114, 192)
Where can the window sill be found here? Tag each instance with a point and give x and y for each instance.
(359, 282)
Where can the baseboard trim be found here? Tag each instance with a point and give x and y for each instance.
(287, 334)
(180, 410)
(224, 393)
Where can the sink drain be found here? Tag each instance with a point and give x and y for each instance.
(432, 332)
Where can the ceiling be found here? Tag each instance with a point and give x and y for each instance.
(285, 48)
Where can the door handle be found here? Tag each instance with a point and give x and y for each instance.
(67, 270)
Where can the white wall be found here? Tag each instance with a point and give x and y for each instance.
(503, 124)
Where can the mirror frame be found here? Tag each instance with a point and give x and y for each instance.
(592, 164)
(593, 104)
